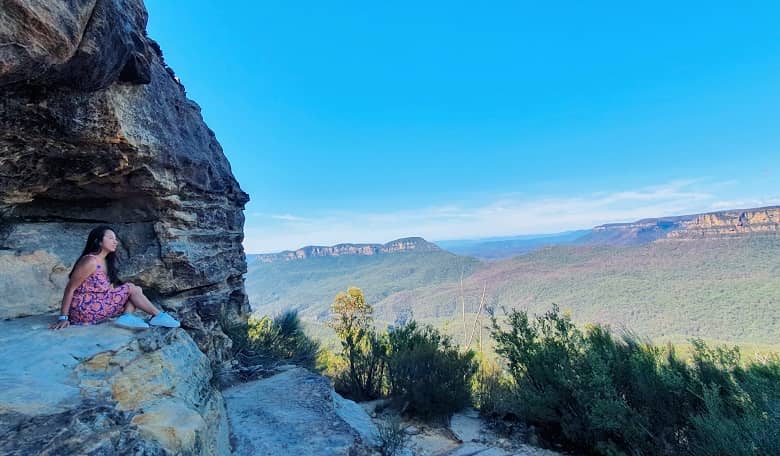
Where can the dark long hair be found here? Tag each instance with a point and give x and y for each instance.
(93, 247)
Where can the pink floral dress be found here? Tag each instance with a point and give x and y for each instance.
(96, 300)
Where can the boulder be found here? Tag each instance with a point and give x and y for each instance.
(467, 426)
(356, 417)
(106, 390)
(296, 412)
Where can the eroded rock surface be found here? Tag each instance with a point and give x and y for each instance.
(467, 434)
(84, 44)
(712, 225)
(106, 390)
(94, 128)
(731, 223)
(296, 412)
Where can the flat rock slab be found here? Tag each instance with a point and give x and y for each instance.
(36, 363)
(467, 426)
(295, 412)
(473, 449)
(466, 435)
(430, 443)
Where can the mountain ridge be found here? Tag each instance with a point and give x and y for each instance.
(708, 275)
(407, 244)
(714, 224)
(705, 225)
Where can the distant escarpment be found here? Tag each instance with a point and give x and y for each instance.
(730, 223)
(95, 128)
(411, 244)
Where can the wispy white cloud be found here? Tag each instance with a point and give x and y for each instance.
(513, 214)
(288, 218)
(744, 203)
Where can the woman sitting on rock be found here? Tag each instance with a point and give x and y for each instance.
(94, 292)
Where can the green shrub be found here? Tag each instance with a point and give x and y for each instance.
(493, 391)
(362, 347)
(417, 366)
(607, 395)
(741, 413)
(721, 432)
(426, 373)
(362, 377)
(263, 341)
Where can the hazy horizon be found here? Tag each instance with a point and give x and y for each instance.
(534, 235)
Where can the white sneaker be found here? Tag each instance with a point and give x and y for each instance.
(130, 321)
(163, 319)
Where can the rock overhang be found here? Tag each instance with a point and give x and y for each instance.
(84, 142)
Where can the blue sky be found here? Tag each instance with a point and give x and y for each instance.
(369, 121)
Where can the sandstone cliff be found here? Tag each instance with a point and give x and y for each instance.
(94, 128)
(412, 244)
(730, 223)
(737, 222)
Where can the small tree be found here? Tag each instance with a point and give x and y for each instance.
(362, 347)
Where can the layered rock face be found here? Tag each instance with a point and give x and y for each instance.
(760, 221)
(413, 244)
(94, 128)
(731, 223)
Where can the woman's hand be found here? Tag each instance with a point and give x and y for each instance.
(60, 324)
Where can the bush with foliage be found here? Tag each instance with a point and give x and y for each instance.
(262, 341)
(426, 372)
(741, 404)
(610, 396)
(417, 366)
(493, 389)
(362, 348)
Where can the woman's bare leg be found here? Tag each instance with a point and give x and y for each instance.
(129, 307)
(139, 300)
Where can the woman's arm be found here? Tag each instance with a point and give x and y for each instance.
(85, 267)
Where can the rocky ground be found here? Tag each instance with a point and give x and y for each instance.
(296, 412)
(300, 413)
(466, 434)
(104, 390)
